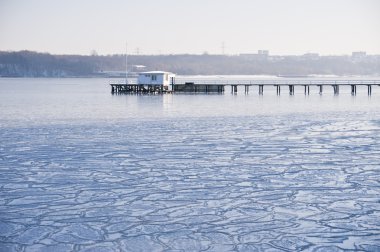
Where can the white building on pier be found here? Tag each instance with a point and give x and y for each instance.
(157, 78)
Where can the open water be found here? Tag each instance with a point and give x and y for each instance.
(84, 170)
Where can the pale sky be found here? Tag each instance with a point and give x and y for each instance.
(190, 26)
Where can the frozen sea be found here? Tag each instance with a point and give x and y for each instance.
(84, 170)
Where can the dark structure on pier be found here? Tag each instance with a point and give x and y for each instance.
(136, 89)
(198, 88)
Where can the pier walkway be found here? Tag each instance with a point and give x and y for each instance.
(188, 85)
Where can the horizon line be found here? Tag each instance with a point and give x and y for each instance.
(185, 53)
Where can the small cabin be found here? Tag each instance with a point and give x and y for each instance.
(157, 78)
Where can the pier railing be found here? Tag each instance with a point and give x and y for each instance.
(285, 82)
(131, 81)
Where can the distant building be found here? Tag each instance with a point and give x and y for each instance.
(260, 55)
(157, 78)
(263, 52)
(138, 68)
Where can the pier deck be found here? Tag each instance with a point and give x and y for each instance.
(187, 85)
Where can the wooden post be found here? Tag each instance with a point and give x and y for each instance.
(172, 82)
(369, 89)
(261, 89)
(320, 89)
(278, 89)
(234, 89)
(291, 89)
(336, 89)
(307, 89)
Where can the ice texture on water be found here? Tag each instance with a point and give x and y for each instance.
(245, 183)
(49, 248)
(33, 235)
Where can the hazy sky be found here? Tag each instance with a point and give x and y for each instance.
(190, 26)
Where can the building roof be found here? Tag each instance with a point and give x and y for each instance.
(155, 72)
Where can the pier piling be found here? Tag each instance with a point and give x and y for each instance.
(246, 89)
(291, 89)
(307, 89)
(320, 89)
(278, 89)
(336, 89)
(353, 89)
(261, 89)
(369, 89)
(234, 89)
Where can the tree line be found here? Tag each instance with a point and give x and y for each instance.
(34, 64)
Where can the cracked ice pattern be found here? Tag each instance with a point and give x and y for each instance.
(223, 184)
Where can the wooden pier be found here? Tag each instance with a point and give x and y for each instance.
(187, 85)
